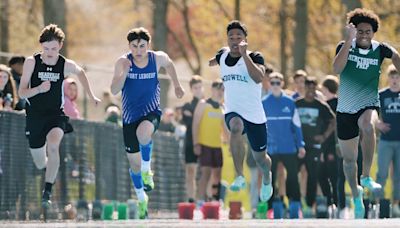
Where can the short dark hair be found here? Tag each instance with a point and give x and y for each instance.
(311, 81)
(359, 15)
(235, 24)
(51, 32)
(195, 79)
(138, 34)
(299, 73)
(331, 83)
(276, 75)
(392, 70)
(217, 84)
(15, 60)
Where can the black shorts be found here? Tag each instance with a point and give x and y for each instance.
(211, 157)
(190, 157)
(256, 133)
(38, 126)
(129, 131)
(347, 124)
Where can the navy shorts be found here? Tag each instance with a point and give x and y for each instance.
(347, 123)
(129, 131)
(256, 133)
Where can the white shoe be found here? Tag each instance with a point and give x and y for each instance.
(238, 184)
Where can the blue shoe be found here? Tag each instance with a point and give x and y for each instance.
(238, 184)
(266, 190)
(359, 209)
(370, 184)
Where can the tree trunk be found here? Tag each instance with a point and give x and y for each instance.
(4, 29)
(54, 12)
(283, 25)
(300, 34)
(350, 5)
(237, 10)
(160, 34)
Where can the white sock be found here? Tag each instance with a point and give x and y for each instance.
(145, 166)
(140, 194)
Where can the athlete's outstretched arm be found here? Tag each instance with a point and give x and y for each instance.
(340, 61)
(163, 60)
(120, 73)
(72, 68)
(212, 62)
(24, 88)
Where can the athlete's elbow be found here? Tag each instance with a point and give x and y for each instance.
(114, 90)
(21, 94)
(337, 69)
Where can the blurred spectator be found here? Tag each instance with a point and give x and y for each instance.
(180, 129)
(70, 96)
(166, 123)
(299, 86)
(8, 90)
(298, 80)
(16, 63)
(317, 123)
(285, 139)
(107, 100)
(197, 90)
(329, 167)
(113, 115)
(208, 127)
(389, 144)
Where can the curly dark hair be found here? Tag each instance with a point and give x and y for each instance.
(359, 15)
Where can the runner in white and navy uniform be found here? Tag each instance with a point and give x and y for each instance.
(242, 72)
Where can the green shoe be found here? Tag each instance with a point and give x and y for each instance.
(359, 209)
(143, 207)
(148, 183)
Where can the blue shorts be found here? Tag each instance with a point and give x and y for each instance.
(256, 133)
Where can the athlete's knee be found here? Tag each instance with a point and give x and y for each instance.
(236, 125)
(144, 133)
(52, 148)
(367, 127)
(39, 157)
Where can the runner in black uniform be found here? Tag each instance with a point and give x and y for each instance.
(42, 87)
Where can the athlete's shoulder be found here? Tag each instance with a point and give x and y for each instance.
(266, 97)
(162, 58)
(339, 46)
(383, 91)
(257, 57)
(30, 60)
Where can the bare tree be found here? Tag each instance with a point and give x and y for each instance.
(237, 10)
(283, 25)
(300, 35)
(223, 10)
(54, 13)
(4, 28)
(184, 9)
(352, 4)
(160, 29)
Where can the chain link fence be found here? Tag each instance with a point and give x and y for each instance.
(93, 166)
